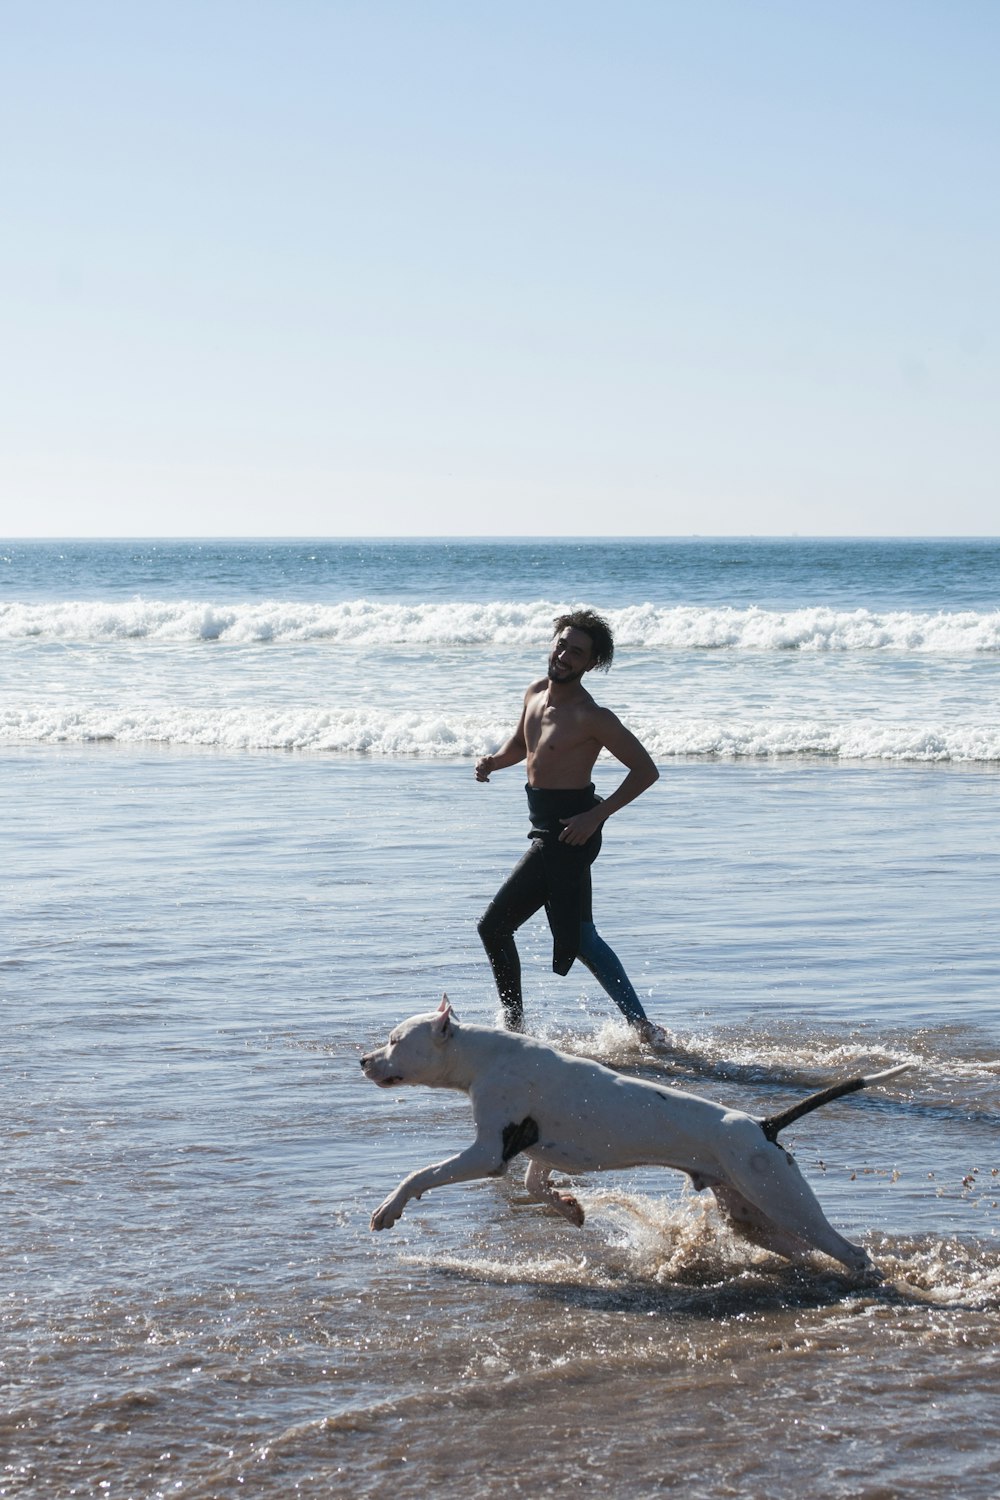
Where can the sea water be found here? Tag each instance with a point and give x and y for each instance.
(242, 838)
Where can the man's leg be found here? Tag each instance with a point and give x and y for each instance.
(567, 896)
(606, 967)
(520, 896)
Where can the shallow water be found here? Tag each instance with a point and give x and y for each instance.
(242, 839)
(198, 948)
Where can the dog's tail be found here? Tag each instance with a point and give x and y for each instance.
(776, 1123)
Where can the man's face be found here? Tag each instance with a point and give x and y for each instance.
(571, 655)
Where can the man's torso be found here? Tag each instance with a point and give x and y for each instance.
(562, 738)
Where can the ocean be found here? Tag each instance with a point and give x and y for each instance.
(243, 839)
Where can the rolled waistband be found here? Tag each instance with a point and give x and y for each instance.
(547, 806)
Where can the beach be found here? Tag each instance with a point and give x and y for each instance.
(244, 839)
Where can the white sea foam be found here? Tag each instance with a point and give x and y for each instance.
(366, 623)
(437, 735)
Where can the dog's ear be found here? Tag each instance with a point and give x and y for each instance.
(441, 1024)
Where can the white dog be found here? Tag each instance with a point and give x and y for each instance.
(570, 1115)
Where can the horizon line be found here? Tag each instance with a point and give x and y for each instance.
(512, 538)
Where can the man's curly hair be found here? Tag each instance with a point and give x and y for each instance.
(592, 624)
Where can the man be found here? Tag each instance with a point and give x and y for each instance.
(561, 733)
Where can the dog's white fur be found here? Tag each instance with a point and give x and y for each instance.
(571, 1115)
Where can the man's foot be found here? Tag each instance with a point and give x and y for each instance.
(653, 1036)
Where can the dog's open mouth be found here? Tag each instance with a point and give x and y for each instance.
(387, 1082)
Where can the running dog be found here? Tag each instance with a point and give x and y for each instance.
(568, 1114)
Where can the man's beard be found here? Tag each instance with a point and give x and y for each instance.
(562, 675)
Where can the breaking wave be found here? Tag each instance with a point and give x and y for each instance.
(369, 731)
(364, 623)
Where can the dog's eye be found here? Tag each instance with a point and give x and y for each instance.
(393, 1040)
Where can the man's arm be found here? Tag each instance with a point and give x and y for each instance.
(509, 754)
(642, 773)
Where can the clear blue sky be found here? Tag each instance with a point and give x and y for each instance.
(353, 267)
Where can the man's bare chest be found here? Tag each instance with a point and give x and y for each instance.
(554, 730)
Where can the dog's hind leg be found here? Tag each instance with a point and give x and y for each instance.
(764, 1193)
(537, 1186)
(750, 1224)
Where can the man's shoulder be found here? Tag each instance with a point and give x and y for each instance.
(602, 718)
(590, 716)
(536, 688)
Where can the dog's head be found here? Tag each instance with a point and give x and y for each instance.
(415, 1052)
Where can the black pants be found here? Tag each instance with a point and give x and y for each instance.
(543, 877)
(556, 876)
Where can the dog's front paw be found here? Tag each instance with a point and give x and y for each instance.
(386, 1214)
(570, 1208)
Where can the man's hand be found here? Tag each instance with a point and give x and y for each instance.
(484, 765)
(581, 827)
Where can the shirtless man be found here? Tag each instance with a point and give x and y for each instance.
(561, 733)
